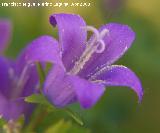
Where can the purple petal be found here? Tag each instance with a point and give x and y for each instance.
(58, 88)
(62, 89)
(120, 76)
(43, 49)
(5, 34)
(117, 43)
(88, 93)
(5, 76)
(31, 86)
(72, 37)
(11, 110)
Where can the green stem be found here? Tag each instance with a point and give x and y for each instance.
(41, 73)
(74, 116)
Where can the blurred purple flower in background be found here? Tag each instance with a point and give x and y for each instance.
(5, 34)
(85, 67)
(112, 7)
(18, 78)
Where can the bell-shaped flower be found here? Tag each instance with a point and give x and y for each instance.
(19, 78)
(85, 69)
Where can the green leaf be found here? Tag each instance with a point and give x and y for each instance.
(36, 98)
(48, 67)
(63, 126)
(2, 122)
(42, 101)
(39, 99)
(75, 116)
(60, 127)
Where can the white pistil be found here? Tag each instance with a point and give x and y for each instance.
(94, 30)
(101, 45)
(96, 45)
(103, 33)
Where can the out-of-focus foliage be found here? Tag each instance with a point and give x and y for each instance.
(65, 127)
(117, 111)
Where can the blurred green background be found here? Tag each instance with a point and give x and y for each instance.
(118, 110)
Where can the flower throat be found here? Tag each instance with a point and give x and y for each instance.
(96, 45)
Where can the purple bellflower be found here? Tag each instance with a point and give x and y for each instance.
(85, 68)
(18, 78)
(113, 6)
(5, 34)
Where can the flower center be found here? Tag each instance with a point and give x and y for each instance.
(94, 45)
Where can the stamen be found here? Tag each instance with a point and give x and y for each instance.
(96, 44)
